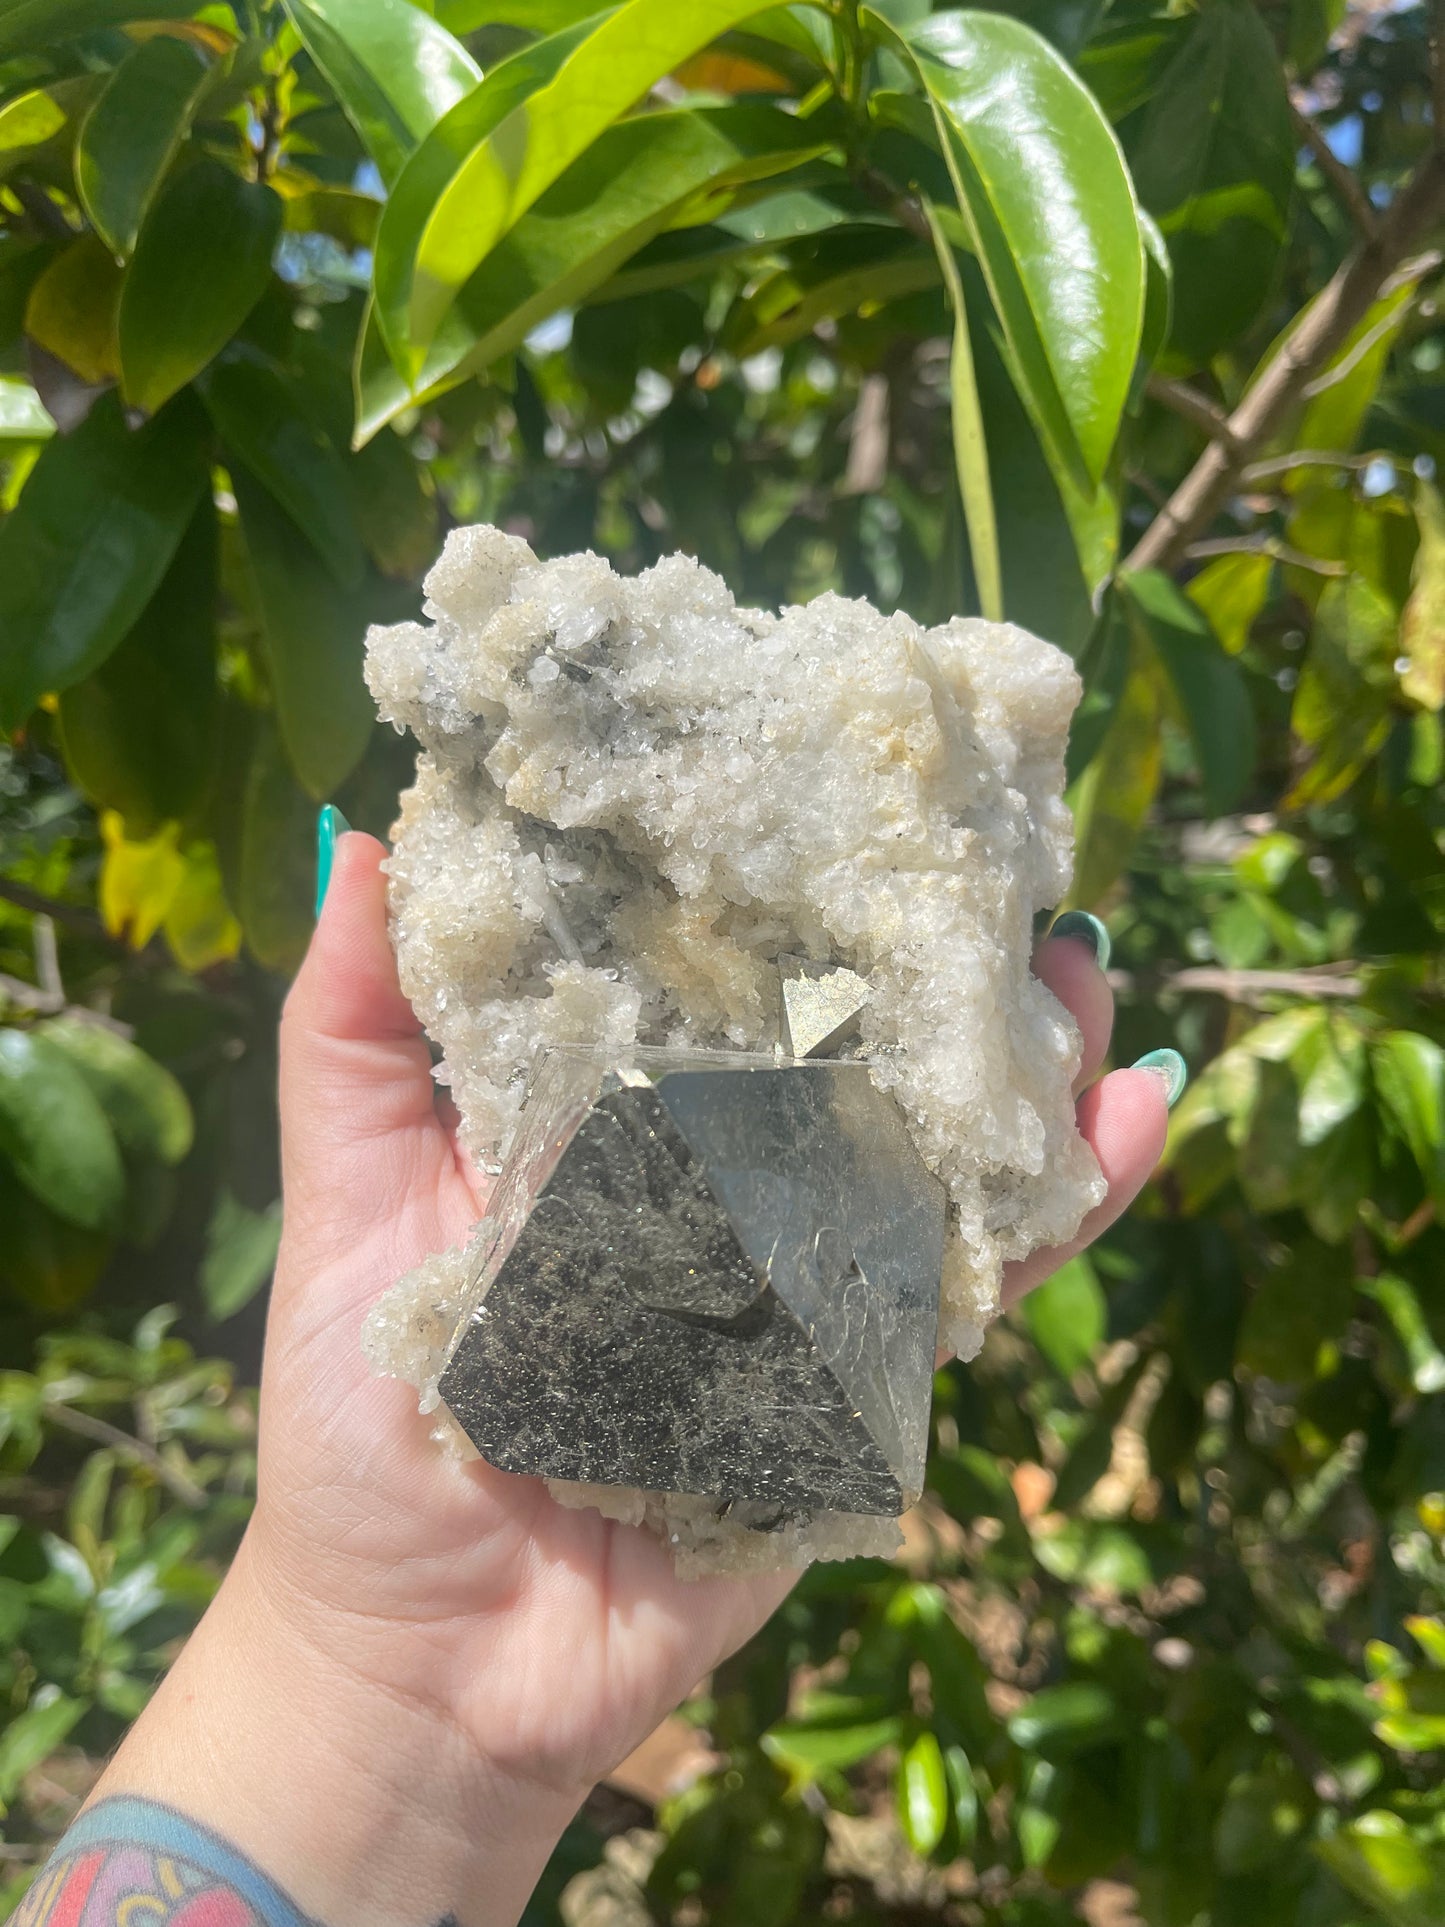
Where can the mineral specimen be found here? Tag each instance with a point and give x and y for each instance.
(640, 810)
(708, 1274)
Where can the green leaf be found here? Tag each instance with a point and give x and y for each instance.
(86, 546)
(132, 134)
(845, 271)
(1066, 1317)
(260, 416)
(49, 1264)
(240, 1256)
(313, 639)
(22, 414)
(1400, 1302)
(1300, 1304)
(1382, 1862)
(1118, 788)
(71, 312)
(923, 1798)
(55, 1134)
(33, 1736)
(395, 70)
(636, 179)
(1409, 1073)
(491, 159)
(277, 889)
(37, 128)
(1207, 685)
(201, 264)
(1061, 1719)
(840, 1737)
(147, 1109)
(1422, 622)
(43, 24)
(1341, 394)
(1213, 160)
(1033, 161)
(139, 731)
(970, 448)
(1231, 591)
(1342, 703)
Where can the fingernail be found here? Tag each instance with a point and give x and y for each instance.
(1170, 1066)
(329, 825)
(1089, 930)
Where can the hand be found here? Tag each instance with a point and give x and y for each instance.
(491, 1649)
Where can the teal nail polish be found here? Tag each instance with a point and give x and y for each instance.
(1171, 1066)
(329, 825)
(1089, 930)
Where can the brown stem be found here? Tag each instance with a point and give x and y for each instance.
(1344, 183)
(100, 1431)
(1247, 986)
(1262, 545)
(72, 915)
(1321, 330)
(1191, 405)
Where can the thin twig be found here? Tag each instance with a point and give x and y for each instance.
(47, 959)
(1322, 330)
(1269, 545)
(1307, 458)
(72, 915)
(101, 1432)
(1246, 986)
(1191, 405)
(1344, 182)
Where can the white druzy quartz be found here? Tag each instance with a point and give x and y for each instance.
(636, 798)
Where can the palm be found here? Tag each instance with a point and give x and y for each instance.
(459, 1574)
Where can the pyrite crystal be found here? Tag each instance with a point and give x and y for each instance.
(709, 1279)
(639, 807)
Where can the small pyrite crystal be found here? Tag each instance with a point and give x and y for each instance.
(646, 820)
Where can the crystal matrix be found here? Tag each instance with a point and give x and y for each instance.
(637, 803)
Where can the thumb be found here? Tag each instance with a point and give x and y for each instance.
(356, 1086)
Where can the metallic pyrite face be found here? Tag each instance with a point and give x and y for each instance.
(710, 1274)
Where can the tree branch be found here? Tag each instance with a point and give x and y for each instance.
(1247, 986)
(72, 915)
(1323, 327)
(1263, 545)
(1341, 179)
(101, 1432)
(1191, 405)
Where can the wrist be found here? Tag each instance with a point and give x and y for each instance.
(328, 1762)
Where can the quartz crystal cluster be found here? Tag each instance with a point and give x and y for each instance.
(647, 820)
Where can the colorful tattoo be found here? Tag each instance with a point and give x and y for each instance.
(133, 1863)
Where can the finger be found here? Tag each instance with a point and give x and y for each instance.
(355, 1071)
(1069, 967)
(1124, 1117)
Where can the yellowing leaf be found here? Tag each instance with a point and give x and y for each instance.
(1422, 626)
(72, 308)
(1231, 591)
(138, 881)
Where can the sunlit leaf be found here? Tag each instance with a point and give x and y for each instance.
(923, 1796)
(132, 133)
(146, 1107)
(54, 1133)
(1231, 591)
(1119, 786)
(1208, 688)
(71, 312)
(1422, 622)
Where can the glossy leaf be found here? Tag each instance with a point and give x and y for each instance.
(139, 731)
(1051, 213)
(923, 1793)
(201, 264)
(132, 134)
(970, 448)
(22, 414)
(1213, 160)
(313, 639)
(395, 70)
(847, 270)
(1208, 687)
(83, 552)
(55, 1134)
(261, 417)
(37, 128)
(277, 884)
(1060, 1719)
(637, 178)
(147, 1109)
(490, 161)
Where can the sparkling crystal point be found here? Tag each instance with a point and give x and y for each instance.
(821, 1006)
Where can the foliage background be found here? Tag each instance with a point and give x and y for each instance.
(1166, 1643)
